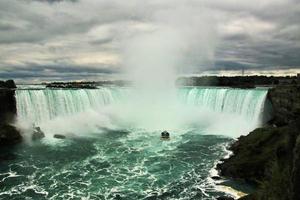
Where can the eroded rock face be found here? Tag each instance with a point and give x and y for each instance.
(270, 156)
(7, 105)
(286, 104)
(252, 153)
(9, 135)
(295, 178)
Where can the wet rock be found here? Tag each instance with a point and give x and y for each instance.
(58, 136)
(8, 107)
(270, 156)
(9, 135)
(216, 178)
(37, 134)
(225, 198)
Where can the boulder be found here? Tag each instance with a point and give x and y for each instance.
(9, 135)
(216, 178)
(37, 134)
(59, 136)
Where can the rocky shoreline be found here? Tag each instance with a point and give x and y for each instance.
(270, 156)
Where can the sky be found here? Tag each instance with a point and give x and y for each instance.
(50, 40)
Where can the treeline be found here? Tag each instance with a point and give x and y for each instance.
(236, 81)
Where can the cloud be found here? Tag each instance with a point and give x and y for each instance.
(78, 36)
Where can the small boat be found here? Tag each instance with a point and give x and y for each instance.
(165, 135)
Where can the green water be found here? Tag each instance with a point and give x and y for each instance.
(114, 165)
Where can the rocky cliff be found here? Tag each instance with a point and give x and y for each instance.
(8, 133)
(270, 156)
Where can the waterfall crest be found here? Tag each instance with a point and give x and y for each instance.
(224, 109)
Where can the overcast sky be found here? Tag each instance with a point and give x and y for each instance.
(85, 39)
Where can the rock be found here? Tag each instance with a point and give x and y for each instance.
(9, 135)
(8, 84)
(248, 197)
(286, 104)
(270, 156)
(225, 198)
(37, 134)
(8, 107)
(295, 180)
(252, 154)
(216, 178)
(58, 136)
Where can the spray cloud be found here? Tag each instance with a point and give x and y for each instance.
(176, 38)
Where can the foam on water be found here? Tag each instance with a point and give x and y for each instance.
(131, 165)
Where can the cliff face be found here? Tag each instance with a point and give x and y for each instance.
(270, 156)
(286, 104)
(8, 134)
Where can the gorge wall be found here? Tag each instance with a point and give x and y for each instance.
(8, 133)
(270, 156)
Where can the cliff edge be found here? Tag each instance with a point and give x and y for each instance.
(9, 135)
(270, 157)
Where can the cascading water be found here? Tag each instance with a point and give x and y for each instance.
(44, 106)
(246, 103)
(112, 148)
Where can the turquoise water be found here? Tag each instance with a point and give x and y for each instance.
(115, 165)
(113, 149)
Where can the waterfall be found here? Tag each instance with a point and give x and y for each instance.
(248, 103)
(46, 104)
(238, 110)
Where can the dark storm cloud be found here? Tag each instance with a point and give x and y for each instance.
(74, 38)
(62, 71)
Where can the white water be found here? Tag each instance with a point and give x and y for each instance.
(223, 111)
